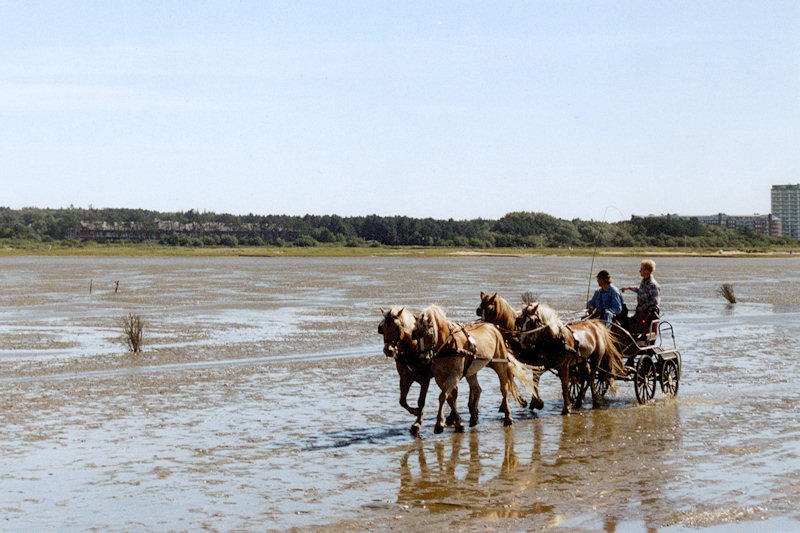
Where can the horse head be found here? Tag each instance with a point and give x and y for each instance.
(496, 310)
(431, 329)
(397, 327)
(538, 319)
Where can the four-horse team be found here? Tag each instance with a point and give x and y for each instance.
(521, 345)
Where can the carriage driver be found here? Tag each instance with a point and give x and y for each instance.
(648, 298)
(607, 300)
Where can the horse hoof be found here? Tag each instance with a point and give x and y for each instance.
(451, 420)
(473, 421)
(565, 411)
(438, 429)
(537, 404)
(507, 422)
(459, 428)
(415, 430)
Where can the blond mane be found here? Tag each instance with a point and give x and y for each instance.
(404, 317)
(547, 316)
(432, 320)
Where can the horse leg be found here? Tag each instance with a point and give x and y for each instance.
(451, 401)
(447, 387)
(536, 400)
(423, 393)
(505, 385)
(563, 373)
(474, 396)
(405, 385)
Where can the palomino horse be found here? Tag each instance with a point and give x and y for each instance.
(588, 343)
(496, 310)
(397, 327)
(460, 351)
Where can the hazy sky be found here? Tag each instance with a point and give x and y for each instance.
(425, 109)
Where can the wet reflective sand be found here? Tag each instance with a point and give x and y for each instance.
(263, 402)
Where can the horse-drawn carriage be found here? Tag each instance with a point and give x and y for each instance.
(585, 355)
(651, 357)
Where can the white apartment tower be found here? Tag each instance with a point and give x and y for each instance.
(786, 206)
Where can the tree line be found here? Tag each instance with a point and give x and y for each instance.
(73, 226)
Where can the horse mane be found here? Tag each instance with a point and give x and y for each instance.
(505, 306)
(434, 315)
(547, 316)
(405, 317)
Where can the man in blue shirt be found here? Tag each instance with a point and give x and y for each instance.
(607, 300)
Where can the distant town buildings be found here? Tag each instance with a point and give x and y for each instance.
(786, 206)
(763, 224)
(784, 220)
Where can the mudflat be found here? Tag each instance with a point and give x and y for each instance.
(262, 401)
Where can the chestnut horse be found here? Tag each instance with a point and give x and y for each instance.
(496, 310)
(397, 327)
(461, 351)
(588, 343)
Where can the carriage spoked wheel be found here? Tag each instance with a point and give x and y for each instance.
(670, 377)
(644, 381)
(576, 380)
(601, 384)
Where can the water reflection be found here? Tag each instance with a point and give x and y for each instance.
(618, 462)
(452, 475)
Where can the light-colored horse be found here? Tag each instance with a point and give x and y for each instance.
(397, 327)
(588, 343)
(496, 310)
(461, 351)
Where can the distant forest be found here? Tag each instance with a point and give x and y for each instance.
(75, 226)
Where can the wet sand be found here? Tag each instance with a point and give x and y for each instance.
(263, 402)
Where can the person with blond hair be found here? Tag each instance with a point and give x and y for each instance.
(648, 298)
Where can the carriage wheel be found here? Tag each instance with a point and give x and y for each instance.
(575, 384)
(601, 384)
(645, 380)
(670, 376)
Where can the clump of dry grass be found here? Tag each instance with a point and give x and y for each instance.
(726, 291)
(529, 298)
(132, 326)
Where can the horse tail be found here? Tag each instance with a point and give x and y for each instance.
(612, 357)
(519, 371)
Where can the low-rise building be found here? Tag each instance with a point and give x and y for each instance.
(763, 224)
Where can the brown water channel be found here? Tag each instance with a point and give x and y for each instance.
(263, 402)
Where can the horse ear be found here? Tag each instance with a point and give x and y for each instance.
(494, 296)
(483, 295)
(382, 311)
(535, 307)
(400, 312)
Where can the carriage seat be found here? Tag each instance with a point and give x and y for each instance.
(649, 336)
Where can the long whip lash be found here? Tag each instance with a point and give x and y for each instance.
(591, 268)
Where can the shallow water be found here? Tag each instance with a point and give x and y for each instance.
(263, 401)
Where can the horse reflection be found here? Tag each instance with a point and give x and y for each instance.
(456, 478)
(603, 469)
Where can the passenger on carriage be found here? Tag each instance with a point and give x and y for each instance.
(607, 300)
(648, 299)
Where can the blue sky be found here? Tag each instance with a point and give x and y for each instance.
(426, 109)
